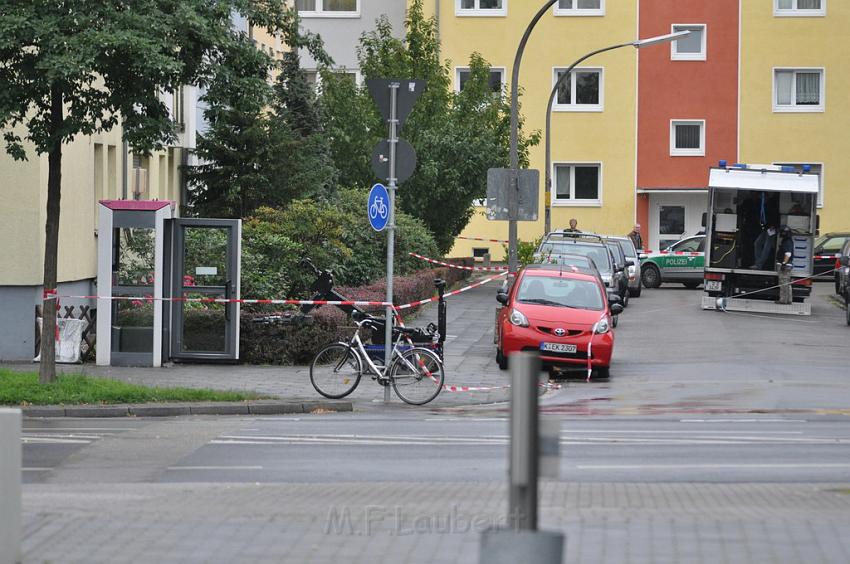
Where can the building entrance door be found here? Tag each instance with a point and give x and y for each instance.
(205, 265)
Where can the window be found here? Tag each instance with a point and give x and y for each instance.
(314, 78)
(691, 47)
(814, 168)
(328, 8)
(799, 8)
(695, 245)
(582, 91)
(497, 78)
(578, 184)
(671, 221)
(580, 8)
(687, 138)
(798, 90)
(481, 7)
(479, 252)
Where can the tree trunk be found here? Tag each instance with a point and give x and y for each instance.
(47, 370)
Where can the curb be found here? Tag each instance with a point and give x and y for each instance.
(258, 407)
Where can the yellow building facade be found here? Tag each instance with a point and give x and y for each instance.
(794, 79)
(597, 135)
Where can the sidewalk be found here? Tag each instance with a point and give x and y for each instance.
(393, 522)
(469, 361)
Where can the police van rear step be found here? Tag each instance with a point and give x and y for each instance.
(756, 306)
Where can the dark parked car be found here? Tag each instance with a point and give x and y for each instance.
(827, 249)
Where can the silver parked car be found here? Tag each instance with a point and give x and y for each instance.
(634, 269)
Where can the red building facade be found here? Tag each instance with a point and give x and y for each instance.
(687, 112)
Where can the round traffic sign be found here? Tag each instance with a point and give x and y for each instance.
(378, 207)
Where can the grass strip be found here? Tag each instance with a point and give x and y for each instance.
(22, 388)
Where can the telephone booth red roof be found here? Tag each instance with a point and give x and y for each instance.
(136, 205)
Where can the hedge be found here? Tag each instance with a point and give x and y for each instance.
(287, 344)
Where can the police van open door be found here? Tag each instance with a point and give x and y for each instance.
(205, 264)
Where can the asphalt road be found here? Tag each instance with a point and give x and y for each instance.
(440, 448)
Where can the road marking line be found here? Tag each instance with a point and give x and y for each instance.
(215, 467)
(743, 421)
(46, 440)
(36, 469)
(702, 466)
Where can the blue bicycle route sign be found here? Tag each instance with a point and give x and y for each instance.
(378, 207)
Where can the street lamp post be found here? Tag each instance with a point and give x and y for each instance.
(547, 203)
(513, 189)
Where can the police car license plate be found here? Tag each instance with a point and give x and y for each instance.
(713, 286)
(557, 347)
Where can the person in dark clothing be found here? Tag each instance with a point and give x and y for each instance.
(785, 264)
(637, 240)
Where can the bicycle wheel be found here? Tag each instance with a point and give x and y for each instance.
(335, 371)
(417, 376)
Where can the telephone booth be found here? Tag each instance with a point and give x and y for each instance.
(153, 271)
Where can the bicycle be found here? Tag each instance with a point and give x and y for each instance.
(415, 373)
(378, 208)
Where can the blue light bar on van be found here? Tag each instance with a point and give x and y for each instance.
(807, 168)
(722, 164)
(740, 165)
(787, 168)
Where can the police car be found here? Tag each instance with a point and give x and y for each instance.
(682, 261)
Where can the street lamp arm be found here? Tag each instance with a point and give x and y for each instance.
(548, 142)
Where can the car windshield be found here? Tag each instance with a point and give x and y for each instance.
(617, 252)
(627, 247)
(560, 292)
(597, 253)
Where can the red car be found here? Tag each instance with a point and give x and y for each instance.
(561, 312)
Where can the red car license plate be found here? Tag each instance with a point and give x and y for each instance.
(557, 347)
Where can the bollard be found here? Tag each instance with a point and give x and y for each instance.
(520, 541)
(522, 502)
(10, 486)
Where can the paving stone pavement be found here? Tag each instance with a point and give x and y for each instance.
(428, 523)
(469, 361)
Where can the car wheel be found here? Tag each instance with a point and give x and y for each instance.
(614, 320)
(501, 360)
(601, 373)
(691, 284)
(635, 292)
(650, 276)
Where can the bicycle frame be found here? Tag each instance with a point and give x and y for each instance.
(373, 368)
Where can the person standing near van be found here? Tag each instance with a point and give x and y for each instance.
(784, 265)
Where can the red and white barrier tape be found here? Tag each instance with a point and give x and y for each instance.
(460, 266)
(150, 299)
(482, 239)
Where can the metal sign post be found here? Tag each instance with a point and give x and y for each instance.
(393, 142)
(393, 160)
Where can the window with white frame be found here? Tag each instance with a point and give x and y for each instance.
(314, 77)
(497, 78)
(328, 8)
(814, 168)
(578, 184)
(691, 47)
(481, 7)
(580, 8)
(687, 138)
(799, 7)
(798, 90)
(582, 91)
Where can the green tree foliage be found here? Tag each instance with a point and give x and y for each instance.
(264, 145)
(457, 137)
(78, 68)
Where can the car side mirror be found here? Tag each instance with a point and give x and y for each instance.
(502, 298)
(703, 221)
(630, 262)
(614, 299)
(616, 309)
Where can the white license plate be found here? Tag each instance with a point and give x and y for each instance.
(713, 285)
(557, 347)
